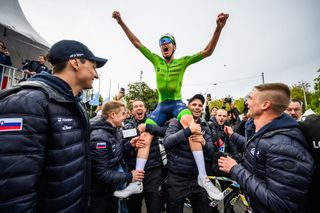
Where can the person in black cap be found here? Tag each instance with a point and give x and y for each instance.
(183, 170)
(44, 135)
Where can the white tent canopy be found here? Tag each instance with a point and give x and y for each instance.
(22, 41)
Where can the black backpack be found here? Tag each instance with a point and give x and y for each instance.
(311, 130)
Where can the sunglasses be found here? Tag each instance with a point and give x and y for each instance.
(165, 40)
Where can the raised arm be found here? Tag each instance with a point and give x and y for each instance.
(134, 40)
(221, 21)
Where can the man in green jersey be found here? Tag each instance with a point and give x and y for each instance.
(169, 76)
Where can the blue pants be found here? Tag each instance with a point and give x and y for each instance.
(166, 110)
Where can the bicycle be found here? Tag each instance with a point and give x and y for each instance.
(234, 199)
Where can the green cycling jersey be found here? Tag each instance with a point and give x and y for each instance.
(169, 76)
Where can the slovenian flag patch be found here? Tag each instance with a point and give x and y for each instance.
(101, 145)
(10, 124)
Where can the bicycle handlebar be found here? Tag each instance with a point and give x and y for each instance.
(234, 183)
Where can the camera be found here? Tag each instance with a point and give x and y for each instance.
(245, 108)
(228, 100)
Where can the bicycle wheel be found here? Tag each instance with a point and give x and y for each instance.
(234, 204)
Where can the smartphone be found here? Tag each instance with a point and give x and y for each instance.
(209, 96)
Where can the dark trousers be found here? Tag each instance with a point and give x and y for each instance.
(104, 204)
(152, 193)
(180, 187)
(153, 202)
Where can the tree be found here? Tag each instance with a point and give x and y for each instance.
(239, 104)
(315, 99)
(142, 91)
(301, 91)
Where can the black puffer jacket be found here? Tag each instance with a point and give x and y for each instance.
(218, 134)
(154, 159)
(277, 168)
(180, 158)
(106, 155)
(45, 166)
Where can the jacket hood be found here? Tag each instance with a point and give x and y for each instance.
(284, 121)
(212, 119)
(99, 122)
(56, 83)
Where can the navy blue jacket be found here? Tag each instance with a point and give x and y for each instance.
(180, 158)
(45, 166)
(35, 66)
(6, 60)
(277, 168)
(106, 155)
(154, 159)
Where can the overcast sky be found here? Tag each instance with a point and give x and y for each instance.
(277, 37)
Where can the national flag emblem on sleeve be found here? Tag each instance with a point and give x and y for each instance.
(10, 124)
(101, 145)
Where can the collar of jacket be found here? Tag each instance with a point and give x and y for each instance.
(51, 92)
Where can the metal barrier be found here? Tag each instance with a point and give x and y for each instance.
(9, 76)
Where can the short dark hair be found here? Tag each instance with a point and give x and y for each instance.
(277, 93)
(44, 57)
(297, 100)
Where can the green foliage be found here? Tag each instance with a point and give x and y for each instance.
(315, 98)
(143, 92)
(297, 93)
(239, 104)
(215, 103)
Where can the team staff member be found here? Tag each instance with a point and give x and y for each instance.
(44, 135)
(277, 168)
(107, 153)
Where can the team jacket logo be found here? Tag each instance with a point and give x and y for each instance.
(252, 151)
(65, 123)
(101, 145)
(10, 124)
(316, 144)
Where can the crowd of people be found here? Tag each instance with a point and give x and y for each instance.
(57, 160)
